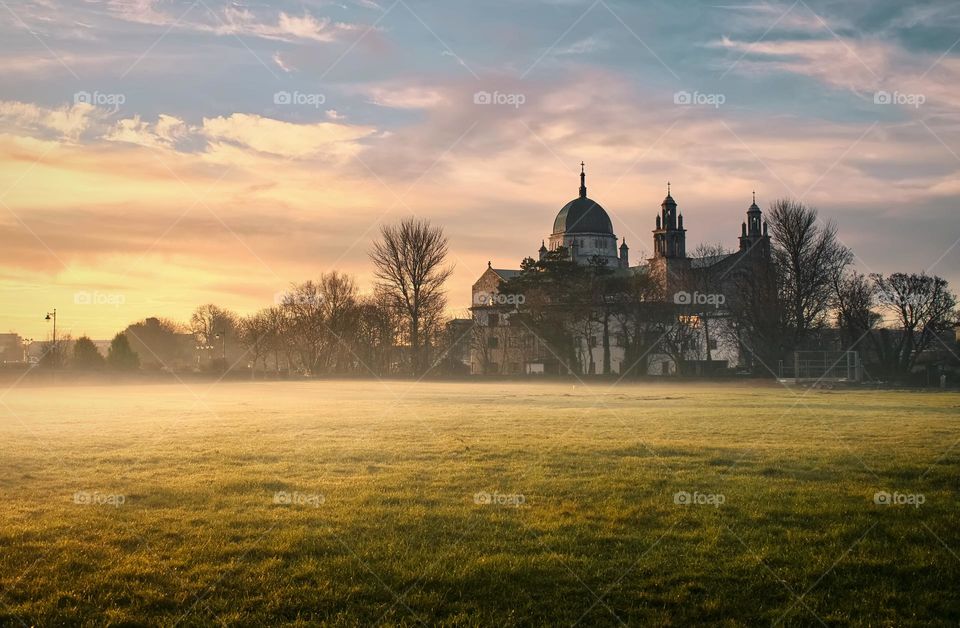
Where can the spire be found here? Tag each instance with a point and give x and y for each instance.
(583, 181)
(668, 200)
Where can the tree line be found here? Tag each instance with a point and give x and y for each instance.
(317, 327)
(807, 292)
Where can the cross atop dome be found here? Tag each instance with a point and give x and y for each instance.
(583, 181)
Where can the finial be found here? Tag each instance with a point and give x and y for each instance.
(581, 167)
(583, 181)
(754, 197)
(488, 264)
(668, 188)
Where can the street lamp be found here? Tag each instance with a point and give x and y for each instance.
(223, 339)
(52, 316)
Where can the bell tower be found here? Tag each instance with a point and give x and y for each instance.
(670, 264)
(753, 232)
(669, 238)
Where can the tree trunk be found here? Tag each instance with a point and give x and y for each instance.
(606, 344)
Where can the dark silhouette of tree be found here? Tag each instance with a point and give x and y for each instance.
(321, 319)
(558, 299)
(378, 326)
(254, 333)
(121, 356)
(86, 357)
(215, 328)
(641, 316)
(923, 308)
(808, 257)
(410, 266)
(54, 354)
(854, 304)
(160, 343)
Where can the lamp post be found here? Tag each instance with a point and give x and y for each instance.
(223, 339)
(52, 316)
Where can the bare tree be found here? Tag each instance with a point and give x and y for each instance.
(376, 335)
(923, 307)
(254, 332)
(854, 302)
(278, 337)
(709, 281)
(341, 310)
(808, 257)
(410, 267)
(216, 329)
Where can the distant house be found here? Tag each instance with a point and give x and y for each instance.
(12, 349)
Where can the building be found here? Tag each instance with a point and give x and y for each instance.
(701, 287)
(12, 349)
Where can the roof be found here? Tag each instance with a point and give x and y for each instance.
(506, 273)
(582, 215)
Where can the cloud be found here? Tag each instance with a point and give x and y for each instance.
(232, 20)
(583, 46)
(281, 63)
(287, 139)
(167, 131)
(288, 27)
(861, 66)
(407, 97)
(67, 121)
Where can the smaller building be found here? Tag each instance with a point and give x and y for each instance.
(12, 349)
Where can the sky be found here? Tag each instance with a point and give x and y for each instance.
(156, 155)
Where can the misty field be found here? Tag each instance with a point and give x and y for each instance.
(357, 503)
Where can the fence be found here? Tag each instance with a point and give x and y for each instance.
(837, 366)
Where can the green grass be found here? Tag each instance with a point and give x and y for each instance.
(399, 539)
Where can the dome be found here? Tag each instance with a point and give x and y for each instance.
(582, 215)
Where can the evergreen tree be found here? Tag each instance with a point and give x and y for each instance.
(86, 357)
(121, 356)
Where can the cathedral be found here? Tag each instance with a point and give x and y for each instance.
(584, 231)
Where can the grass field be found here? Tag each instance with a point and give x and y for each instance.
(477, 504)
